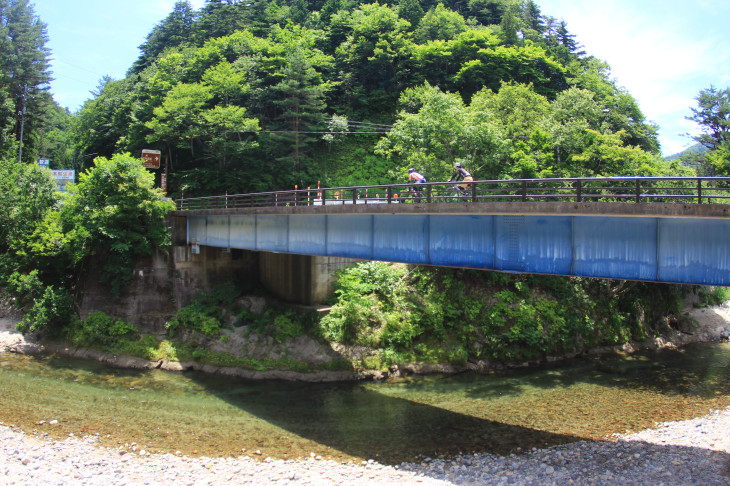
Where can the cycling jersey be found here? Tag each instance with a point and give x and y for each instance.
(416, 177)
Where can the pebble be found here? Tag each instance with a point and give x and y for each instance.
(677, 453)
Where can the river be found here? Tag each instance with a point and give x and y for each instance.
(435, 416)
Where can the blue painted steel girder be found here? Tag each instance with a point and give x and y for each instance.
(680, 250)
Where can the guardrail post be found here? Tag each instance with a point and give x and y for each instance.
(390, 193)
(428, 194)
(638, 190)
(578, 191)
(473, 192)
(699, 192)
(324, 193)
(354, 196)
(524, 191)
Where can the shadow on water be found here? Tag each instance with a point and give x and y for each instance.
(497, 413)
(365, 423)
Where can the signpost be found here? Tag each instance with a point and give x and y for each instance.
(44, 163)
(151, 158)
(63, 177)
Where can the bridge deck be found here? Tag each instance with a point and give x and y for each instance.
(654, 229)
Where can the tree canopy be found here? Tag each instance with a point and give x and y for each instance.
(239, 96)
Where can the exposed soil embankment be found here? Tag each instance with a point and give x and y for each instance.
(702, 325)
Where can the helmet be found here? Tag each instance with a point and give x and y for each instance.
(457, 165)
(411, 170)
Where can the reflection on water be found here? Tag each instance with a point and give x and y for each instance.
(401, 420)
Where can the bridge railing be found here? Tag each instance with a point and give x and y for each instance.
(686, 190)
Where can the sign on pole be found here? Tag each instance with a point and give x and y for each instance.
(44, 163)
(63, 177)
(151, 158)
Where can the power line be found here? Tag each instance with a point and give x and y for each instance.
(323, 132)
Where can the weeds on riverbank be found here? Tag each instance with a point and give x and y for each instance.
(423, 314)
(411, 314)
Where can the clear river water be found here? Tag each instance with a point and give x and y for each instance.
(393, 421)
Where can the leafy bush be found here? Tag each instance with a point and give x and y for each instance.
(713, 295)
(204, 313)
(287, 326)
(100, 330)
(116, 210)
(436, 314)
(51, 311)
(198, 317)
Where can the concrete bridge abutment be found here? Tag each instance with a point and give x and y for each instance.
(301, 279)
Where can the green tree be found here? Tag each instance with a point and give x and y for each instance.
(572, 113)
(25, 72)
(435, 130)
(27, 192)
(103, 123)
(174, 30)
(227, 125)
(520, 111)
(179, 120)
(27, 197)
(439, 23)
(509, 26)
(300, 99)
(488, 12)
(532, 17)
(55, 142)
(117, 207)
(375, 52)
(410, 10)
(620, 111)
(719, 160)
(517, 107)
(713, 116)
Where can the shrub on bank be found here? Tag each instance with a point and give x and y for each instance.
(412, 313)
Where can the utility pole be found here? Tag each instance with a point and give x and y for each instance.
(22, 122)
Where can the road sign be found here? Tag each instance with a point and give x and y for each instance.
(63, 177)
(151, 158)
(44, 162)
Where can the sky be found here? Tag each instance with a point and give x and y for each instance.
(663, 52)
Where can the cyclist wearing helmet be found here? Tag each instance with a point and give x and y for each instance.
(461, 174)
(416, 178)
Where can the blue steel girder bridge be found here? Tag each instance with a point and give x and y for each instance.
(661, 229)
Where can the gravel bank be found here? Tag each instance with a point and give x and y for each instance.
(680, 453)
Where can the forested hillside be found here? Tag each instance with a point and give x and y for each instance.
(258, 96)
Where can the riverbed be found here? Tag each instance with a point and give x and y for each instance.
(657, 416)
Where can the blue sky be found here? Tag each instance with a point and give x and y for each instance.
(662, 51)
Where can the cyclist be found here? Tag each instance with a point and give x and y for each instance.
(416, 178)
(461, 174)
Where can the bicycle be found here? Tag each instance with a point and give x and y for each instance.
(458, 194)
(415, 194)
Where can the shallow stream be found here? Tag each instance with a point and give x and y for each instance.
(434, 416)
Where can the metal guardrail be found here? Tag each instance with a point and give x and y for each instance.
(684, 190)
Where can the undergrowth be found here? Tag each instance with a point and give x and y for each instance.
(412, 313)
(408, 313)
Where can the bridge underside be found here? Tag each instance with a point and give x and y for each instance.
(660, 249)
